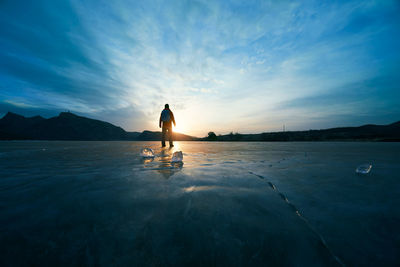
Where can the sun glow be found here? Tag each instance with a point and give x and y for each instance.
(179, 128)
(182, 122)
(187, 122)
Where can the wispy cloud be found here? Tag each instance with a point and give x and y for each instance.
(223, 66)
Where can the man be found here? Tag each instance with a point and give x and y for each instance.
(166, 118)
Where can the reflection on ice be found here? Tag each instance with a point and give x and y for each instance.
(147, 160)
(177, 165)
(198, 188)
(234, 204)
(167, 167)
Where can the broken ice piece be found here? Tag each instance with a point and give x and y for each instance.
(177, 156)
(147, 153)
(364, 168)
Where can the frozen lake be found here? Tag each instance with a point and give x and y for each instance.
(232, 204)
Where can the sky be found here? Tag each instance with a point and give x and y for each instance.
(223, 66)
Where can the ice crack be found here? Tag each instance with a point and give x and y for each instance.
(293, 207)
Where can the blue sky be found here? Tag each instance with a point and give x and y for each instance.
(241, 66)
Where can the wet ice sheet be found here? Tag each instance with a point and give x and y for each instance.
(229, 203)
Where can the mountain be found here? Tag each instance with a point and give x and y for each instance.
(370, 132)
(68, 126)
(14, 125)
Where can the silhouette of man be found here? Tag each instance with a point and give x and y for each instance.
(166, 118)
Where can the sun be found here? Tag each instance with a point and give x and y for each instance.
(184, 121)
(179, 128)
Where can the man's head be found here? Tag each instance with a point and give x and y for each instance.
(166, 106)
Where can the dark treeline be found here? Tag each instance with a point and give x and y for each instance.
(369, 132)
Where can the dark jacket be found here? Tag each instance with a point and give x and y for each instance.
(168, 123)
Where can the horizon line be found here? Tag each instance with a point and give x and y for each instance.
(219, 134)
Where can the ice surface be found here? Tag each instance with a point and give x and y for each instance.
(147, 153)
(230, 204)
(364, 168)
(177, 156)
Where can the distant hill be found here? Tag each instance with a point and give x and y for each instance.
(14, 126)
(370, 132)
(68, 126)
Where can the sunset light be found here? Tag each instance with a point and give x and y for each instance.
(223, 66)
(199, 133)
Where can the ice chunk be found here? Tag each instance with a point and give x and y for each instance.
(177, 156)
(364, 168)
(147, 152)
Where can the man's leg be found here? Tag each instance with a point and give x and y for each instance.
(171, 143)
(164, 129)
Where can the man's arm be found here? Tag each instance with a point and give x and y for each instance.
(172, 118)
(159, 123)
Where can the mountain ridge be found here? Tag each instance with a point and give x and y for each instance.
(69, 126)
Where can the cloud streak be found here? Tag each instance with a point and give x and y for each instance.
(222, 66)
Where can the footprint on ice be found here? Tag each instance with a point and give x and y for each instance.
(177, 156)
(364, 169)
(147, 153)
